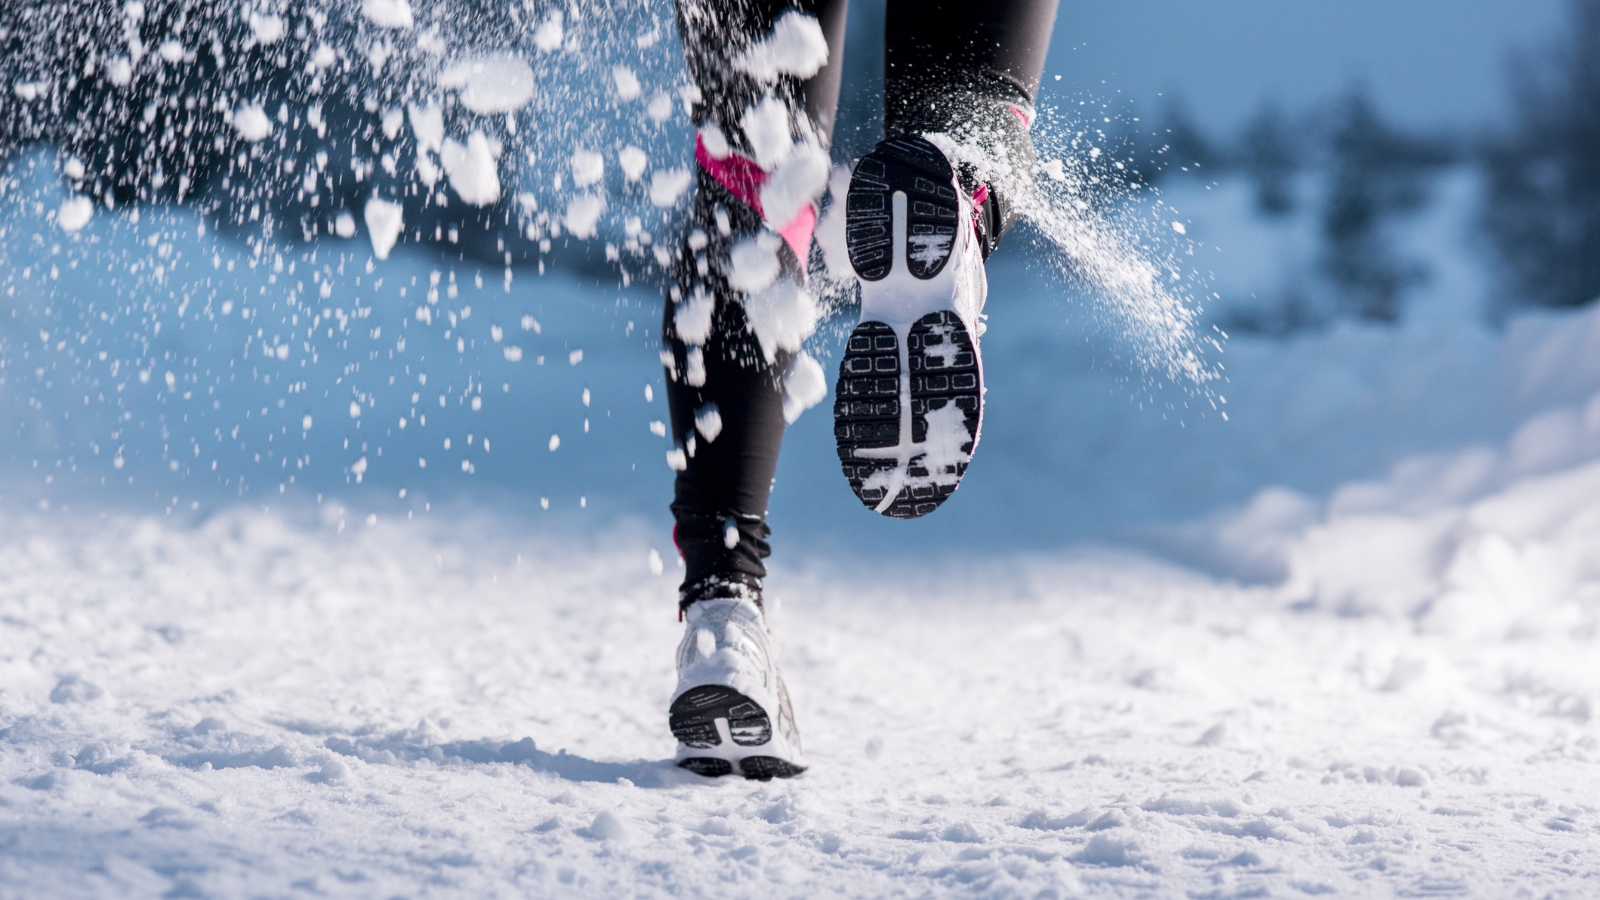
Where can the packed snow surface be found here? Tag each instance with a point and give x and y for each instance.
(265, 703)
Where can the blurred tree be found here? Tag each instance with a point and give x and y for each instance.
(1270, 151)
(1375, 173)
(1187, 146)
(1543, 206)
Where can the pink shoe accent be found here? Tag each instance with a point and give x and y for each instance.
(743, 178)
(1024, 115)
(980, 196)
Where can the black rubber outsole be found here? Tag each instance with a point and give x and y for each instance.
(693, 719)
(915, 167)
(943, 371)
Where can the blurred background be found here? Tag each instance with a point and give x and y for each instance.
(1391, 211)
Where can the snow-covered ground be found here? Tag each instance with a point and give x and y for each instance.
(1342, 642)
(260, 706)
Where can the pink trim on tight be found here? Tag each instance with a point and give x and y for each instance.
(797, 233)
(743, 178)
(1024, 115)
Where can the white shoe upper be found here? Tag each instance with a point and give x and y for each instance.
(726, 643)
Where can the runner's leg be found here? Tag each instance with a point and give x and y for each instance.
(724, 393)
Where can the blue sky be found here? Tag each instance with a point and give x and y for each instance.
(1428, 62)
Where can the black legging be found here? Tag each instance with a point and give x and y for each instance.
(944, 60)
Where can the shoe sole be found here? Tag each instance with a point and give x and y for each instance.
(908, 405)
(693, 719)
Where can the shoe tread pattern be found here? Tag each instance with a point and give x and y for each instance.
(915, 167)
(693, 717)
(943, 370)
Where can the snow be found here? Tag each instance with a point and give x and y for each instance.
(268, 29)
(498, 82)
(753, 261)
(427, 123)
(1161, 733)
(388, 13)
(75, 212)
(384, 220)
(633, 162)
(708, 421)
(797, 182)
(667, 186)
(796, 47)
(765, 124)
(588, 167)
(627, 83)
(471, 168)
(692, 318)
(782, 315)
(583, 214)
(804, 386)
(549, 34)
(251, 122)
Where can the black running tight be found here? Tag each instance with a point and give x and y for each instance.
(945, 59)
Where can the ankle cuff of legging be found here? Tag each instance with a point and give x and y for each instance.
(733, 586)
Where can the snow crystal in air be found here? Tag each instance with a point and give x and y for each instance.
(633, 162)
(667, 185)
(830, 228)
(782, 316)
(344, 225)
(588, 167)
(574, 357)
(324, 56)
(660, 108)
(653, 560)
(388, 13)
(766, 127)
(355, 410)
(427, 123)
(627, 83)
(497, 82)
(119, 71)
(1179, 228)
(795, 47)
(75, 212)
(393, 119)
(555, 441)
(715, 142)
(694, 367)
(692, 318)
(170, 51)
(305, 422)
(799, 181)
(708, 421)
(267, 29)
(549, 35)
(677, 460)
(753, 261)
(384, 221)
(583, 214)
(73, 168)
(804, 386)
(513, 354)
(252, 123)
(471, 169)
